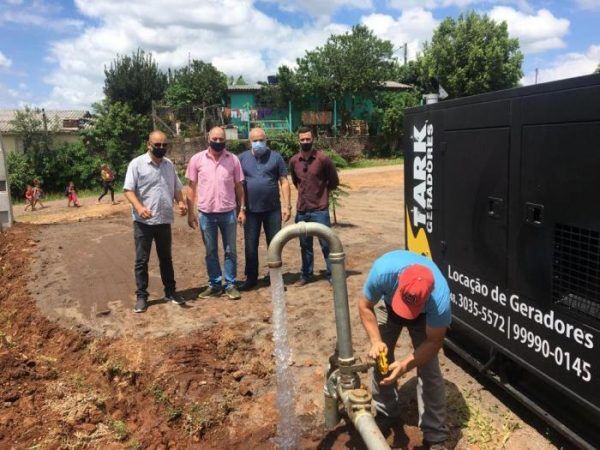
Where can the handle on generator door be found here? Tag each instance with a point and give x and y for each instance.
(534, 214)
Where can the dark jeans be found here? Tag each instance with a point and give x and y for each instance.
(143, 236)
(107, 185)
(270, 221)
(306, 242)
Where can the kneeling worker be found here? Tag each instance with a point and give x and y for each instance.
(414, 295)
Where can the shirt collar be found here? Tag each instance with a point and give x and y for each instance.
(312, 155)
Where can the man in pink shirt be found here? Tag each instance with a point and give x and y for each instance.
(216, 192)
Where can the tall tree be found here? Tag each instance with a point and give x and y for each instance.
(597, 69)
(117, 135)
(31, 125)
(196, 84)
(240, 81)
(354, 63)
(135, 80)
(471, 55)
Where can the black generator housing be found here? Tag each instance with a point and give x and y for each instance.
(502, 191)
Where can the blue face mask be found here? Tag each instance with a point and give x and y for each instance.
(259, 148)
(217, 146)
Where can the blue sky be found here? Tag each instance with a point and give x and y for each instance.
(52, 52)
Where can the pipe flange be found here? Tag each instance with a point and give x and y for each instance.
(359, 397)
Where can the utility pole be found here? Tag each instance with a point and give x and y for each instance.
(536, 75)
(405, 53)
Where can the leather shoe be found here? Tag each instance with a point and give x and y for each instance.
(247, 285)
(301, 282)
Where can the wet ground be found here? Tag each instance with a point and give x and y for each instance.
(80, 370)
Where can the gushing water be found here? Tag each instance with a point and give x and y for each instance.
(288, 429)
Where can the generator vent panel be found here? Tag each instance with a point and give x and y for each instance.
(576, 269)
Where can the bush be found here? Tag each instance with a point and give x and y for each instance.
(20, 174)
(286, 144)
(71, 162)
(337, 160)
(236, 146)
(350, 149)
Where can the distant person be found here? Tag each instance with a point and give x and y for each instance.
(315, 176)
(264, 171)
(152, 186)
(414, 294)
(215, 193)
(71, 193)
(38, 193)
(108, 179)
(29, 198)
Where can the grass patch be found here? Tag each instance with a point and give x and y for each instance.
(119, 428)
(375, 162)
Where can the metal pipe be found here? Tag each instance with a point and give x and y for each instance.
(338, 276)
(369, 431)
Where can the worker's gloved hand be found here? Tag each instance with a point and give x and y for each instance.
(395, 372)
(376, 348)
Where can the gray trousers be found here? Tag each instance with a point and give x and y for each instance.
(431, 397)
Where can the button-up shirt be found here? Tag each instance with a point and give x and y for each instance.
(155, 186)
(314, 177)
(216, 180)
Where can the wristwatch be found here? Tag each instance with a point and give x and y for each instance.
(243, 208)
(288, 207)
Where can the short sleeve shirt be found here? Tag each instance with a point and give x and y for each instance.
(262, 176)
(155, 186)
(382, 283)
(216, 180)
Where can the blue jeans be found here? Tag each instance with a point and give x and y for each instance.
(271, 223)
(306, 243)
(210, 224)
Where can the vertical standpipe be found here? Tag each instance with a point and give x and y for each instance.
(338, 276)
(6, 216)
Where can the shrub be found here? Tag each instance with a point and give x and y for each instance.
(286, 144)
(20, 173)
(350, 149)
(237, 146)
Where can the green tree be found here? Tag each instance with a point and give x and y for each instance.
(135, 80)
(240, 81)
(389, 113)
(354, 63)
(597, 69)
(196, 84)
(471, 55)
(32, 127)
(117, 134)
(20, 173)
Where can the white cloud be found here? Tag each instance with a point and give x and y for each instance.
(14, 98)
(37, 13)
(232, 34)
(536, 32)
(320, 7)
(412, 27)
(5, 61)
(434, 4)
(593, 5)
(567, 66)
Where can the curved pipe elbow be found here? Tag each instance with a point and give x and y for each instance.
(301, 229)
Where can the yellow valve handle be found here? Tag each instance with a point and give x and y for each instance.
(382, 363)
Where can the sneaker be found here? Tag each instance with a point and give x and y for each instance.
(141, 305)
(175, 298)
(247, 285)
(211, 291)
(233, 293)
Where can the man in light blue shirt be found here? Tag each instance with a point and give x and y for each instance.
(151, 186)
(413, 293)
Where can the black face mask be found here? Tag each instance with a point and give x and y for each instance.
(306, 146)
(217, 146)
(159, 152)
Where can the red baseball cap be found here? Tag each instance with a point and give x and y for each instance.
(415, 284)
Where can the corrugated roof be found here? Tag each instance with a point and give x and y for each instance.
(246, 87)
(55, 118)
(396, 85)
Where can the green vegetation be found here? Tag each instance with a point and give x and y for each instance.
(119, 428)
(362, 163)
(195, 84)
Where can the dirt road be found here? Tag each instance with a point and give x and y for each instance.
(200, 376)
